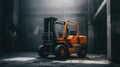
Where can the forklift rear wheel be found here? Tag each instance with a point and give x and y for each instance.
(82, 51)
(41, 51)
(61, 51)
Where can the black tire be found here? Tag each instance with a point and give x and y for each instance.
(41, 51)
(82, 51)
(58, 53)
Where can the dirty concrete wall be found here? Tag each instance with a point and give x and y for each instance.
(33, 12)
(9, 27)
(115, 24)
(1, 24)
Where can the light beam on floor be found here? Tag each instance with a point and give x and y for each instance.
(20, 59)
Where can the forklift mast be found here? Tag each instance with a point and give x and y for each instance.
(49, 36)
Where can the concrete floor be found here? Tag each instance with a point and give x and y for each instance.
(31, 59)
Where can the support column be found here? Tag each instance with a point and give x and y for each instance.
(108, 30)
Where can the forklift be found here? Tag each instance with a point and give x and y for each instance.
(62, 39)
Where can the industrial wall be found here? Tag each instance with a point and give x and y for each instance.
(24, 20)
(1, 24)
(97, 27)
(33, 12)
(7, 26)
(115, 24)
(5, 18)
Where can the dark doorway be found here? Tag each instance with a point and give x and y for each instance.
(100, 32)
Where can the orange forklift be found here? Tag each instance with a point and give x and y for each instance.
(62, 39)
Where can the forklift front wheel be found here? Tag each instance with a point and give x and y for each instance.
(61, 51)
(41, 51)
